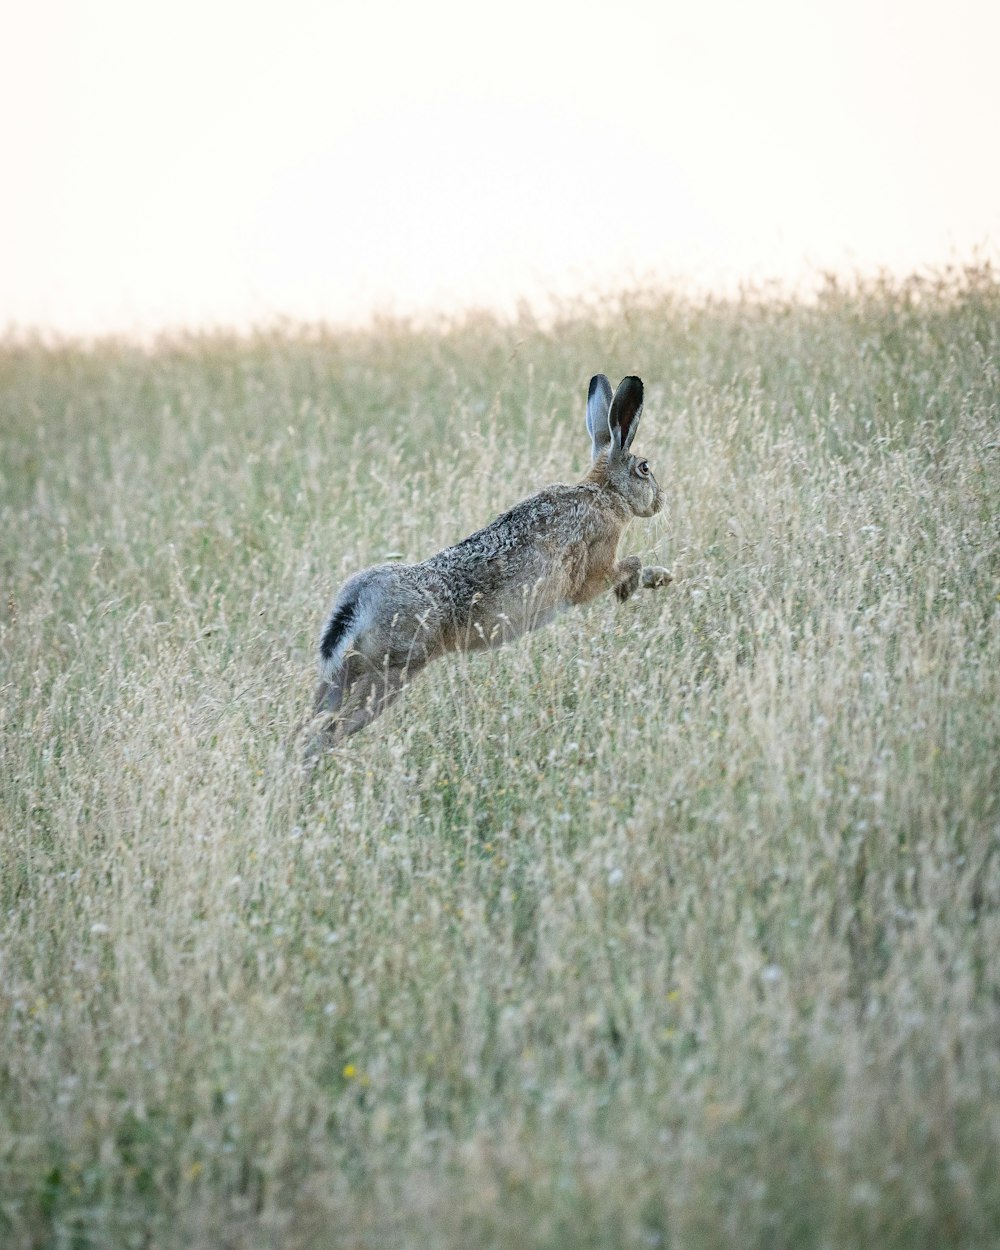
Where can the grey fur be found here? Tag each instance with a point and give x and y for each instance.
(598, 405)
(626, 409)
(554, 549)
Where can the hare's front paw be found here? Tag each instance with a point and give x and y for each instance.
(629, 572)
(654, 575)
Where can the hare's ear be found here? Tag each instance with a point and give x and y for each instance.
(598, 403)
(626, 409)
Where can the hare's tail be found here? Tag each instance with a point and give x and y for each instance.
(353, 620)
(353, 688)
(338, 633)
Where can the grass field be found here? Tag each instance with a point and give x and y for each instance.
(676, 924)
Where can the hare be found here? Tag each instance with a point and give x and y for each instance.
(555, 549)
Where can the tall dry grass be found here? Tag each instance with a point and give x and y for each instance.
(676, 924)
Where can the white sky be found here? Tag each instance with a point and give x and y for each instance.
(221, 161)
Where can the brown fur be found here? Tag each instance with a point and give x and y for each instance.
(554, 549)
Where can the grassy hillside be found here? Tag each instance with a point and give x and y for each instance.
(676, 924)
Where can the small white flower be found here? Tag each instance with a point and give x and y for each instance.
(99, 929)
(615, 877)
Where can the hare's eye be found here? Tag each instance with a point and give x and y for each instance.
(642, 468)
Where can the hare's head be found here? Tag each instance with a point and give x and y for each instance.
(612, 420)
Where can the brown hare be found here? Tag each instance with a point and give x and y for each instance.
(554, 549)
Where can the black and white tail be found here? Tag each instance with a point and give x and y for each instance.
(338, 633)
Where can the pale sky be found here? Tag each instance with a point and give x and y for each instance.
(220, 162)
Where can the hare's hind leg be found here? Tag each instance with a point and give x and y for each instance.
(327, 701)
(329, 695)
(352, 698)
(369, 697)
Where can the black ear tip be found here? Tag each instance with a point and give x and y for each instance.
(631, 387)
(598, 383)
(626, 410)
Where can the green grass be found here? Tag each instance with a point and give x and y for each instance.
(676, 924)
